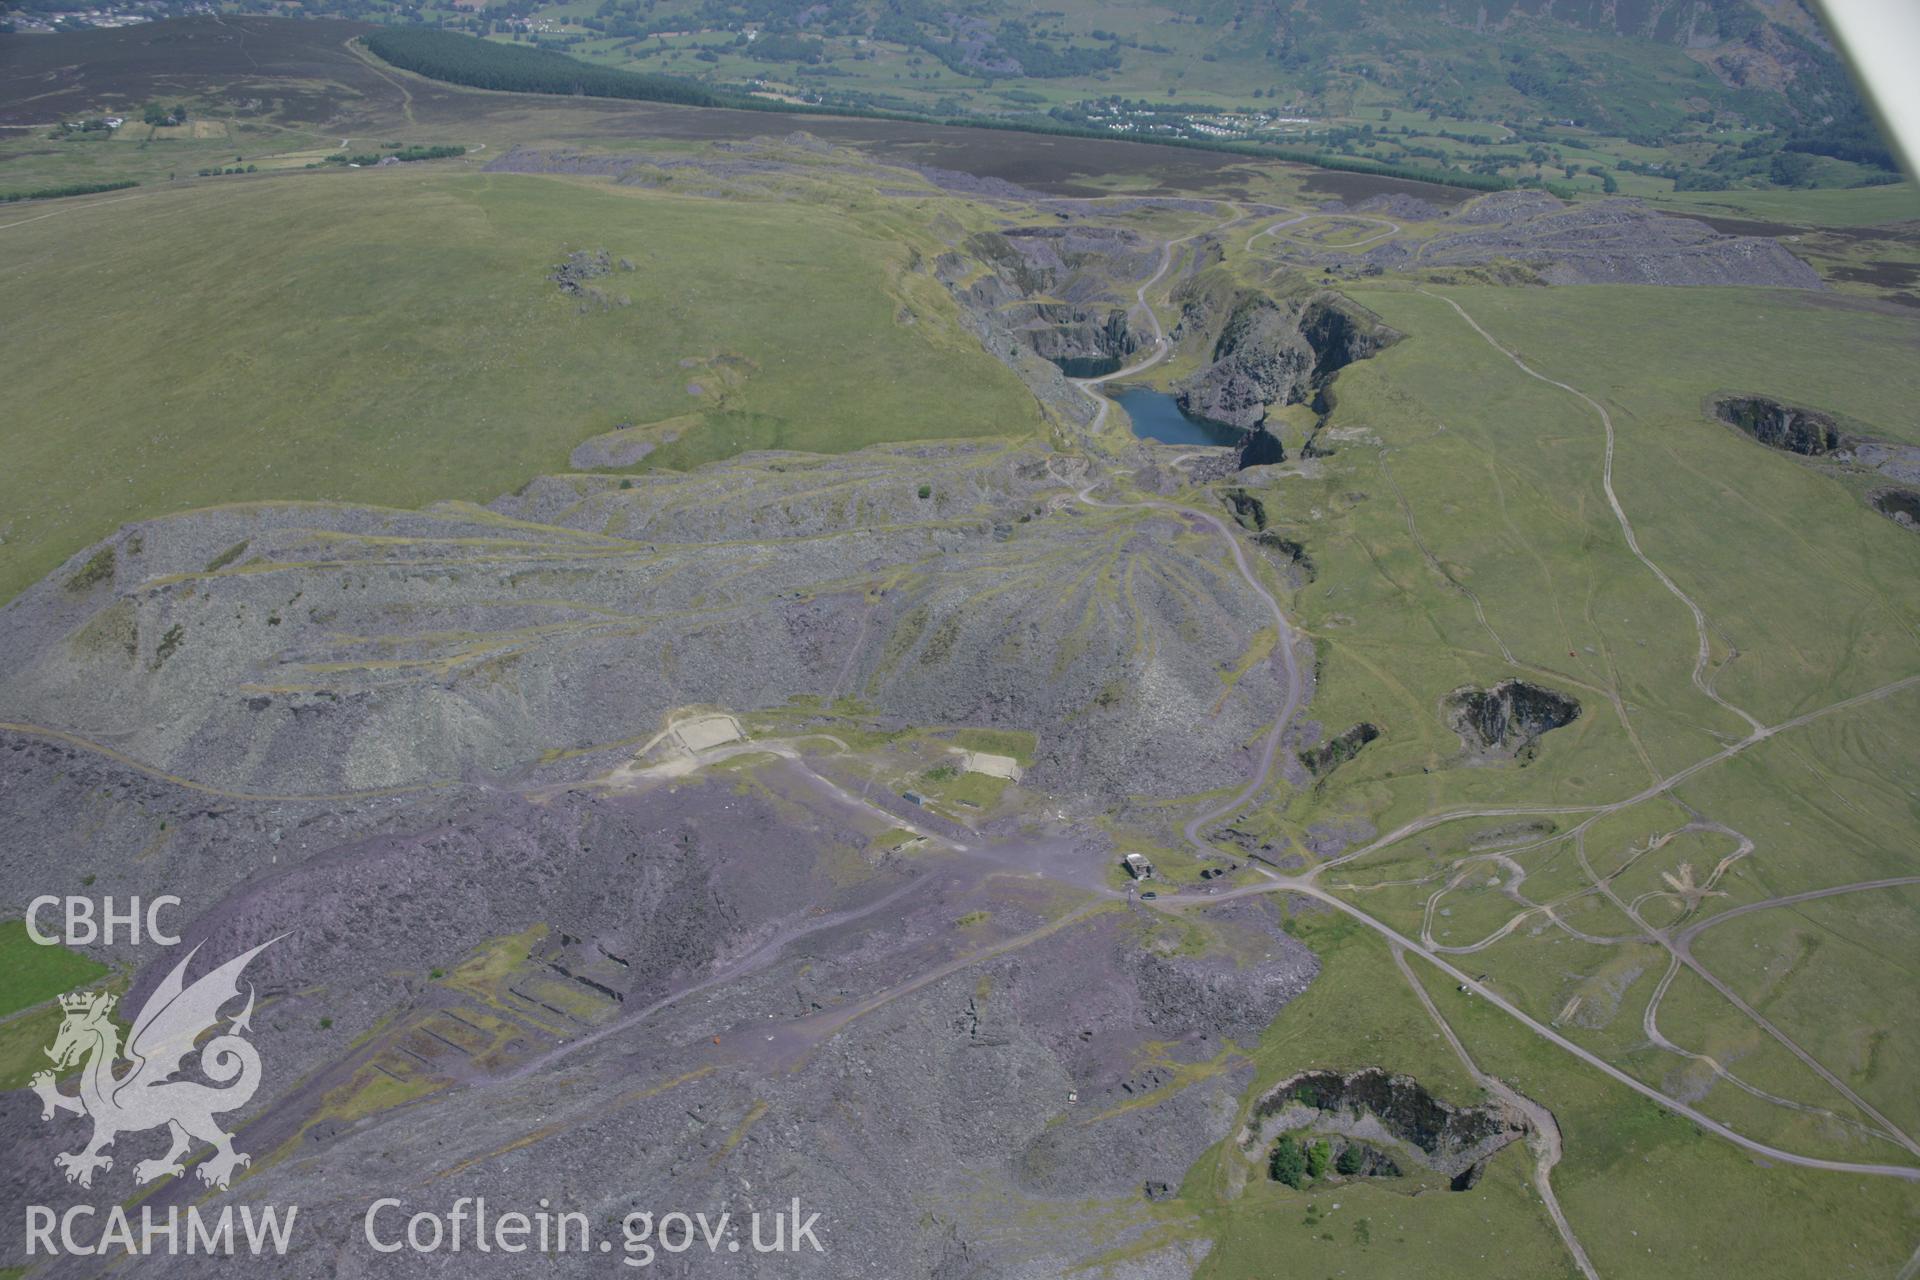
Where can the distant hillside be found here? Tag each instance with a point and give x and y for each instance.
(1633, 96)
(1767, 59)
(1619, 63)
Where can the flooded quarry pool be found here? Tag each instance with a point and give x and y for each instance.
(1156, 416)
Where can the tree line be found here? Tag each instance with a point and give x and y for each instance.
(486, 64)
(72, 189)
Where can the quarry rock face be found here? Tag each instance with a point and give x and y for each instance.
(1337, 750)
(1809, 433)
(1450, 1139)
(1902, 506)
(1272, 353)
(1084, 342)
(1788, 428)
(1507, 719)
(1064, 293)
(1051, 302)
(1262, 447)
(1260, 358)
(1071, 263)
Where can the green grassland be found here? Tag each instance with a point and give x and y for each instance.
(1359, 1012)
(392, 337)
(1456, 473)
(31, 975)
(1500, 476)
(24, 1039)
(1650, 1195)
(1823, 976)
(1865, 206)
(149, 155)
(1647, 1194)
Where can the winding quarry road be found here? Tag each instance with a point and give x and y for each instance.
(1759, 732)
(1704, 655)
(1285, 636)
(1543, 1135)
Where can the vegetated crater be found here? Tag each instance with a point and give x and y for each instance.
(1902, 506)
(1508, 719)
(1374, 1106)
(1788, 428)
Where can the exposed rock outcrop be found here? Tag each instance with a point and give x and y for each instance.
(581, 266)
(1270, 352)
(1293, 553)
(1073, 263)
(1260, 358)
(1898, 462)
(1902, 506)
(1786, 427)
(1369, 1160)
(1051, 302)
(1248, 509)
(1809, 433)
(1508, 719)
(1336, 751)
(1083, 342)
(1262, 448)
(1343, 1159)
(1339, 334)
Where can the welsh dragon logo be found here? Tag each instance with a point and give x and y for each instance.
(146, 1096)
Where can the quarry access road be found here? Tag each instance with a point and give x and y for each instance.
(1658, 788)
(1392, 229)
(758, 958)
(1284, 644)
(1160, 348)
(1543, 1133)
(1306, 888)
(1681, 948)
(72, 208)
(1683, 941)
(1285, 636)
(1280, 883)
(1758, 731)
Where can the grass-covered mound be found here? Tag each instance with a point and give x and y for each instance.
(394, 337)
